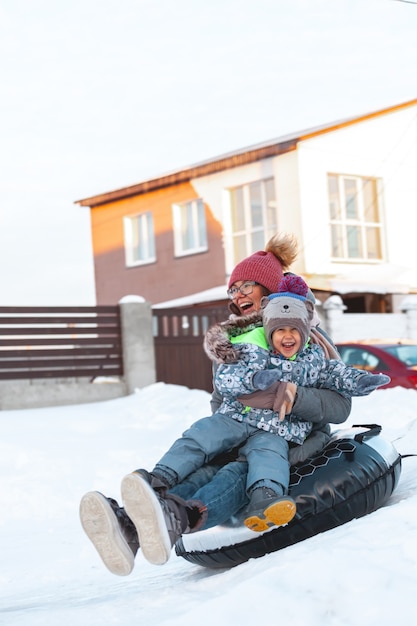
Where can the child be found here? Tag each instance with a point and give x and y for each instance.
(275, 347)
(160, 518)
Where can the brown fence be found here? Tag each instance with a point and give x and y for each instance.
(60, 342)
(63, 342)
(178, 340)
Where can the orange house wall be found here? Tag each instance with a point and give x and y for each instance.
(169, 277)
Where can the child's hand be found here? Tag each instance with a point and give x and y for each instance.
(369, 382)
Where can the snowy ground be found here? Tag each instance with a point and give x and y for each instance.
(364, 572)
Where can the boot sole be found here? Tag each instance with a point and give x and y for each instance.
(277, 514)
(142, 506)
(101, 527)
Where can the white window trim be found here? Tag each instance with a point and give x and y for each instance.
(176, 218)
(361, 222)
(228, 230)
(128, 241)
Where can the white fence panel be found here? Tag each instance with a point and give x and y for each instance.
(357, 326)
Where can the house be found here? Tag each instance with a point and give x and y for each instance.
(347, 190)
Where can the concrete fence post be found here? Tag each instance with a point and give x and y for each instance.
(137, 343)
(334, 310)
(409, 307)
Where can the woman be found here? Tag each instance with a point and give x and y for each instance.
(216, 492)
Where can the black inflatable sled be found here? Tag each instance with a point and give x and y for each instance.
(352, 476)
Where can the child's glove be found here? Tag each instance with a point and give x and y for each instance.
(369, 382)
(265, 378)
(279, 397)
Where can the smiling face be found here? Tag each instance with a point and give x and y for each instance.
(248, 302)
(286, 341)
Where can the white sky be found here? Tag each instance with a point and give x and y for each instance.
(101, 94)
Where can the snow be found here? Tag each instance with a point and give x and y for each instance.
(363, 572)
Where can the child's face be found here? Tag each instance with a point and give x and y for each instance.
(286, 341)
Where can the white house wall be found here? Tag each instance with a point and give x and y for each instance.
(287, 183)
(213, 190)
(383, 147)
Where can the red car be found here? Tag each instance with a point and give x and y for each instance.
(396, 358)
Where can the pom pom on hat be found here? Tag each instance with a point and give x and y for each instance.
(291, 283)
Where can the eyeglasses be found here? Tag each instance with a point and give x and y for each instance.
(245, 289)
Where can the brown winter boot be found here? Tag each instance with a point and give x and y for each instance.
(160, 518)
(111, 531)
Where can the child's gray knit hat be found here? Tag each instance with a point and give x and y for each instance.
(288, 307)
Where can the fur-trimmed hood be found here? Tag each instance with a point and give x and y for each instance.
(217, 344)
(220, 349)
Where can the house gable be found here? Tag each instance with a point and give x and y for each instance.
(234, 159)
(379, 147)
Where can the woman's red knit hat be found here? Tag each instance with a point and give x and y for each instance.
(262, 267)
(266, 267)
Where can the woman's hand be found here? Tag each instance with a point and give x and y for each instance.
(279, 397)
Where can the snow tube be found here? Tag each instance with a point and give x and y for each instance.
(352, 476)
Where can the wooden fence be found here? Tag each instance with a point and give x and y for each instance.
(76, 342)
(178, 341)
(60, 342)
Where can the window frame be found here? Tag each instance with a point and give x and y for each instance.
(253, 237)
(192, 226)
(146, 234)
(355, 231)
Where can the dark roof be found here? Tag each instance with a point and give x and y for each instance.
(239, 157)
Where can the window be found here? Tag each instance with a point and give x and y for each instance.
(355, 221)
(139, 239)
(361, 359)
(253, 217)
(190, 233)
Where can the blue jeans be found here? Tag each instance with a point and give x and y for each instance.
(221, 488)
(267, 453)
